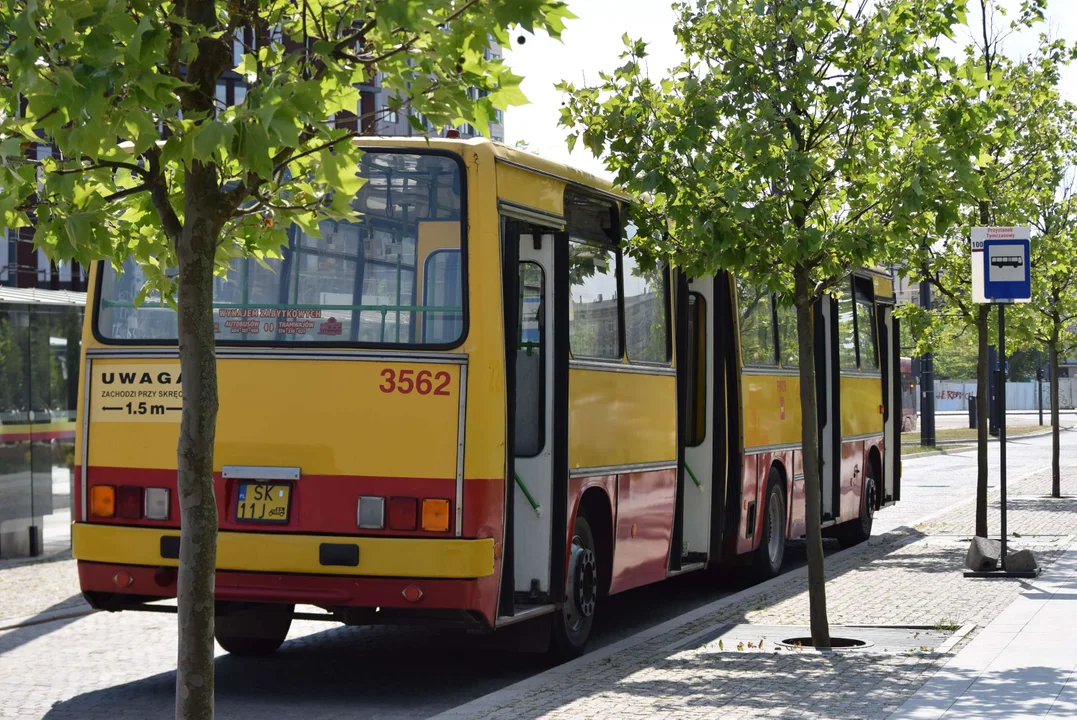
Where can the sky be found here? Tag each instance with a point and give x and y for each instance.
(592, 43)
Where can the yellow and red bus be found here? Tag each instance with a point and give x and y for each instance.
(472, 407)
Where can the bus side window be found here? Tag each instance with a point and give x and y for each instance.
(646, 311)
(788, 342)
(757, 345)
(865, 325)
(530, 362)
(594, 319)
(846, 333)
(442, 290)
(697, 370)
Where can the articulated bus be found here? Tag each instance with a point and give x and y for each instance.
(472, 407)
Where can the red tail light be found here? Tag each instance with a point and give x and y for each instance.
(403, 513)
(129, 502)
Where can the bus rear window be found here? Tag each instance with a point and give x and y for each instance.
(392, 277)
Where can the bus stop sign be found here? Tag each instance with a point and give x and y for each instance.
(1001, 263)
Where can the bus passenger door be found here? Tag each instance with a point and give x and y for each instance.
(697, 421)
(533, 448)
(890, 363)
(828, 401)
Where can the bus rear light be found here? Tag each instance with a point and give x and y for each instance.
(403, 513)
(103, 501)
(435, 515)
(157, 503)
(129, 502)
(370, 514)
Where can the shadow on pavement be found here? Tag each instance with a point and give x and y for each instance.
(339, 672)
(33, 629)
(389, 672)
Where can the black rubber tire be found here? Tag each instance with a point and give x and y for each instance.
(252, 629)
(767, 558)
(571, 629)
(856, 531)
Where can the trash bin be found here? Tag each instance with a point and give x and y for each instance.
(972, 412)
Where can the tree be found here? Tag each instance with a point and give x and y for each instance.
(991, 154)
(224, 182)
(784, 149)
(1050, 318)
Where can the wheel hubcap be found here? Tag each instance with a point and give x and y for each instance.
(583, 584)
(775, 538)
(869, 499)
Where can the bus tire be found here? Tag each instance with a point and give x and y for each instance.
(250, 630)
(857, 531)
(572, 624)
(767, 560)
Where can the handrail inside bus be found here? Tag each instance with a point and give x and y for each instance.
(693, 476)
(534, 505)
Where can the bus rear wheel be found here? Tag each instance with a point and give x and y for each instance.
(250, 630)
(857, 531)
(767, 562)
(572, 625)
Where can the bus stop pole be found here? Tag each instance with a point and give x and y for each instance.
(1002, 425)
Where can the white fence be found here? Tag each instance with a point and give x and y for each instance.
(952, 396)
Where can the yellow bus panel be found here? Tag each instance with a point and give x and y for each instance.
(531, 189)
(621, 418)
(771, 410)
(291, 553)
(861, 406)
(328, 417)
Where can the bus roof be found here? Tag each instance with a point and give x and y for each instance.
(504, 154)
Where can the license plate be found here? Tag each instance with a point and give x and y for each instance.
(263, 502)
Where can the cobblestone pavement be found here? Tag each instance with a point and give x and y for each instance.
(910, 577)
(121, 665)
(29, 589)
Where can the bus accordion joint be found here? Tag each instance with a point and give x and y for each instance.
(531, 500)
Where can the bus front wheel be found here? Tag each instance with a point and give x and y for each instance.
(572, 625)
(249, 629)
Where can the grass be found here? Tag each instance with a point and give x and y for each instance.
(950, 434)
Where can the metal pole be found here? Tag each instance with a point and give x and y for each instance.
(1002, 423)
(927, 381)
(1039, 385)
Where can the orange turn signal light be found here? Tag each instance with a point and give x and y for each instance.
(103, 501)
(435, 515)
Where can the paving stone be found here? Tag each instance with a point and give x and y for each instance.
(120, 666)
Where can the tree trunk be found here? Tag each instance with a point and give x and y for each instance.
(1052, 353)
(982, 390)
(809, 427)
(198, 505)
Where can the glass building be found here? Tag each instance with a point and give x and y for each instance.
(40, 332)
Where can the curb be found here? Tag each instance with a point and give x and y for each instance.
(45, 617)
(903, 535)
(941, 451)
(993, 439)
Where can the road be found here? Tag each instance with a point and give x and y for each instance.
(120, 665)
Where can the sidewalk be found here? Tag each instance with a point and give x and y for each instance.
(1021, 666)
(904, 592)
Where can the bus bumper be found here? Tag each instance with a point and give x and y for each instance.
(415, 573)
